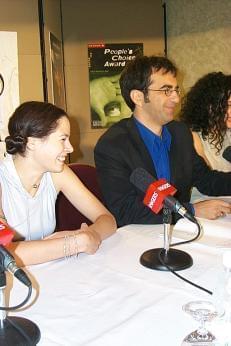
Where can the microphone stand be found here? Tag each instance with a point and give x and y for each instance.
(15, 331)
(173, 258)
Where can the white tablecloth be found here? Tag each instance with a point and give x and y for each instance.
(109, 299)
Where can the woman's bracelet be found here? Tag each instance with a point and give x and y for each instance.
(76, 246)
(70, 242)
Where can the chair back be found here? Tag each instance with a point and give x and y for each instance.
(67, 216)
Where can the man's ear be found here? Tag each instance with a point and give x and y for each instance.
(137, 97)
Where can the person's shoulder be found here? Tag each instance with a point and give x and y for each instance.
(180, 133)
(197, 136)
(119, 126)
(178, 126)
(117, 130)
(6, 163)
(59, 178)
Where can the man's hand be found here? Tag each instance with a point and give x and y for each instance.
(212, 209)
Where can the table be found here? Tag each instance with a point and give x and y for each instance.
(109, 299)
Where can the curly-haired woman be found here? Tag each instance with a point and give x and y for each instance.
(207, 110)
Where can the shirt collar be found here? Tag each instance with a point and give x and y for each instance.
(151, 138)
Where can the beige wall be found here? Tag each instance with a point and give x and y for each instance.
(198, 31)
(22, 17)
(84, 22)
(91, 21)
(199, 34)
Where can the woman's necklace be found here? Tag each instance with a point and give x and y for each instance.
(35, 186)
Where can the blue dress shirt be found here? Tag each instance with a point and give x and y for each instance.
(158, 148)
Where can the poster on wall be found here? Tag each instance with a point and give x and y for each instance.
(9, 82)
(57, 72)
(105, 63)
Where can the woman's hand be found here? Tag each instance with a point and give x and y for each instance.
(88, 240)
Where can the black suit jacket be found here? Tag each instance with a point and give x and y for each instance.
(121, 149)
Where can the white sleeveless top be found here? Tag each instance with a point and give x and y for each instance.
(216, 160)
(31, 217)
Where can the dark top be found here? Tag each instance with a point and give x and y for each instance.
(120, 150)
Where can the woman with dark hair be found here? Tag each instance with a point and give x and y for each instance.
(32, 175)
(207, 110)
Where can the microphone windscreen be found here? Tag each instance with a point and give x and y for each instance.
(227, 154)
(6, 234)
(141, 179)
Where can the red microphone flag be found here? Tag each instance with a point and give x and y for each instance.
(156, 193)
(6, 234)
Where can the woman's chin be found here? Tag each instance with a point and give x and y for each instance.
(59, 167)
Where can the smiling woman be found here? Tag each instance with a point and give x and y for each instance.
(32, 175)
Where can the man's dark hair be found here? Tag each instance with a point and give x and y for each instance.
(137, 75)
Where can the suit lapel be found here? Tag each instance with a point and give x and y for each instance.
(138, 144)
(173, 155)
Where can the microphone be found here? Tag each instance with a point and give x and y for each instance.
(227, 154)
(14, 330)
(6, 259)
(9, 264)
(158, 193)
